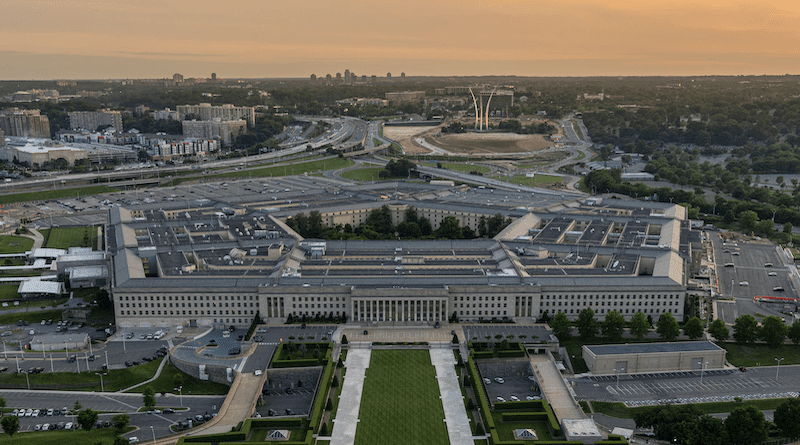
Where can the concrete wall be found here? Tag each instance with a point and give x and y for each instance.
(281, 378)
(216, 373)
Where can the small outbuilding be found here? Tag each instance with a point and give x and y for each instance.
(58, 342)
(584, 430)
(653, 357)
(36, 288)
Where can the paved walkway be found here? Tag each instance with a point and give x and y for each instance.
(455, 415)
(344, 426)
(555, 389)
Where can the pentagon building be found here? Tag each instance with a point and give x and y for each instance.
(204, 262)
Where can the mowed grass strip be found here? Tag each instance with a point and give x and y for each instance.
(400, 403)
(363, 174)
(15, 244)
(56, 194)
(64, 238)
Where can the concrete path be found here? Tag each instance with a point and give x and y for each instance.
(38, 239)
(155, 376)
(455, 414)
(344, 426)
(238, 406)
(555, 389)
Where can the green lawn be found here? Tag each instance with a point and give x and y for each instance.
(104, 436)
(116, 379)
(506, 429)
(761, 354)
(400, 403)
(278, 170)
(63, 238)
(31, 317)
(536, 180)
(466, 168)
(619, 410)
(56, 194)
(363, 174)
(15, 244)
(9, 292)
(166, 383)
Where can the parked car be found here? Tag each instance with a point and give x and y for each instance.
(500, 399)
(68, 426)
(514, 399)
(133, 439)
(499, 380)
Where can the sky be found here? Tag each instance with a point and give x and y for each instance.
(94, 39)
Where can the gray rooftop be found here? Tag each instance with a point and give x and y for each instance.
(653, 348)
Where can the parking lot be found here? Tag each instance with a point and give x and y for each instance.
(690, 386)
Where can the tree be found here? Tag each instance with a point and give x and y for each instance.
(639, 326)
(77, 406)
(344, 339)
(613, 326)
(667, 327)
(10, 425)
(719, 330)
(746, 425)
(785, 417)
(773, 331)
(748, 219)
(794, 332)
(87, 418)
(587, 324)
(2, 405)
(148, 398)
(120, 421)
(119, 440)
(561, 326)
(707, 430)
(745, 329)
(693, 328)
(178, 380)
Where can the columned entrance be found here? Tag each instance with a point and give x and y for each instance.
(400, 309)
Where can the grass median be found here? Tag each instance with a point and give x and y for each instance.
(400, 402)
(56, 194)
(165, 383)
(102, 436)
(64, 238)
(15, 244)
(619, 410)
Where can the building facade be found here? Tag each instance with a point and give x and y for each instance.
(224, 131)
(90, 120)
(24, 123)
(226, 112)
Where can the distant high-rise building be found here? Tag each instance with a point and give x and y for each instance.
(177, 78)
(338, 78)
(374, 79)
(402, 77)
(225, 112)
(90, 120)
(364, 78)
(213, 77)
(66, 83)
(313, 78)
(2, 139)
(405, 96)
(140, 110)
(347, 77)
(224, 130)
(389, 76)
(24, 123)
(328, 79)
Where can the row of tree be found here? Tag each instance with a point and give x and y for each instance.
(378, 225)
(613, 326)
(745, 425)
(772, 330)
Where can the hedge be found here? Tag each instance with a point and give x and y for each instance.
(301, 363)
(322, 394)
(522, 417)
(531, 405)
(613, 439)
(212, 438)
(551, 418)
(483, 354)
(495, 440)
(477, 383)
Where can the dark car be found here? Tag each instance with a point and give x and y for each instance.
(91, 358)
(168, 411)
(234, 351)
(289, 411)
(743, 369)
(365, 332)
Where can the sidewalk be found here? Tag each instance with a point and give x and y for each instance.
(455, 414)
(346, 422)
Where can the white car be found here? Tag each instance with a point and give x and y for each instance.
(514, 399)
(773, 274)
(35, 413)
(258, 372)
(744, 283)
(133, 439)
(28, 412)
(529, 398)
(38, 427)
(46, 427)
(15, 412)
(487, 381)
(500, 399)
(49, 411)
(499, 380)
(68, 426)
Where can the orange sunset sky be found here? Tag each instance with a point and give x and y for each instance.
(85, 39)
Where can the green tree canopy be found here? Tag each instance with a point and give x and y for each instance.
(148, 398)
(794, 332)
(10, 425)
(87, 418)
(786, 418)
(120, 421)
(587, 324)
(693, 328)
(773, 331)
(745, 329)
(639, 325)
(746, 426)
(613, 326)
(707, 430)
(667, 327)
(561, 326)
(719, 330)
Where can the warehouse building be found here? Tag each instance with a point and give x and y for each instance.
(653, 357)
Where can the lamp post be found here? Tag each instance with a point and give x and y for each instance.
(106, 359)
(779, 360)
(66, 351)
(28, 380)
(17, 359)
(52, 370)
(41, 345)
(154, 433)
(702, 368)
(180, 391)
(101, 374)
(5, 353)
(617, 372)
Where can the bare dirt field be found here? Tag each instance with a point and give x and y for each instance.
(405, 137)
(490, 143)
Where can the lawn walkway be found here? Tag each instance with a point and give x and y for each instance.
(455, 414)
(344, 426)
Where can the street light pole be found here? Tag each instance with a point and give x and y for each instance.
(154, 433)
(101, 374)
(52, 370)
(28, 380)
(106, 359)
(617, 372)
(779, 360)
(41, 345)
(702, 368)
(180, 391)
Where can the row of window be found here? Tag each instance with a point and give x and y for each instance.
(190, 312)
(186, 305)
(188, 298)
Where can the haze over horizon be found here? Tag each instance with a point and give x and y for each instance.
(94, 39)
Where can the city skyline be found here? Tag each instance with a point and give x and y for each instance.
(147, 39)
